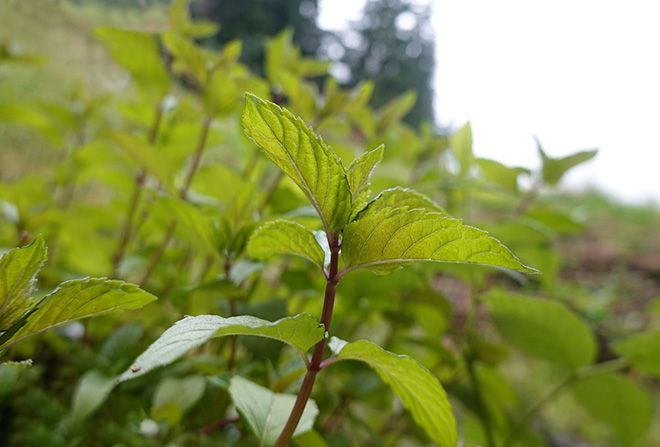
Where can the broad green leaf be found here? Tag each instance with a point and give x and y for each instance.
(301, 331)
(284, 237)
(642, 351)
(542, 328)
(419, 391)
(554, 168)
(622, 405)
(173, 397)
(303, 156)
(81, 298)
(18, 271)
(91, 391)
(398, 197)
(140, 55)
(386, 239)
(266, 412)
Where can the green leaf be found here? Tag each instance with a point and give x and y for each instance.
(622, 405)
(266, 412)
(555, 168)
(642, 351)
(499, 174)
(189, 59)
(146, 155)
(221, 96)
(301, 332)
(419, 391)
(385, 239)
(395, 110)
(542, 328)
(359, 172)
(398, 197)
(303, 156)
(91, 391)
(18, 272)
(81, 298)
(194, 223)
(173, 397)
(284, 237)
(140, 55)
(461, 144)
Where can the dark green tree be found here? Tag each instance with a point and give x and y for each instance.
(392, 44)
(253, 21)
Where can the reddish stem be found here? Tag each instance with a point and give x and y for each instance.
(317, 357)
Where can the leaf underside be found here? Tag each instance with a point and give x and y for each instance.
(301, 331)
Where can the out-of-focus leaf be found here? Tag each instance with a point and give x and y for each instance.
(542, 328)
(554, 168)
(266, 412)
(91, 391)
(642, 351)
(139, 54)
(619, 403)
(173, 397)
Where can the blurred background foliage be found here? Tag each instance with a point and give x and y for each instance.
(124, 149)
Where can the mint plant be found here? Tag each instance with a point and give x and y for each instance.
(398, 227)
(154, 181)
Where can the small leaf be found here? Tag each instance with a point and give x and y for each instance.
(619, 403)
(383, 240)
(395, 110)
(358, 176)
(91, 391)
(461, 144)
(283, 237)
(140, 55)
(303, 156)
(18, 272)
(266, 412)
(555, 168)
(359, 172)
(82, 298)
(301, 332)
(419, 391)
(642, 351)
(542, 328)
(499, 174)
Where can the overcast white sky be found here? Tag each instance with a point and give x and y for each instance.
(577, 73)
